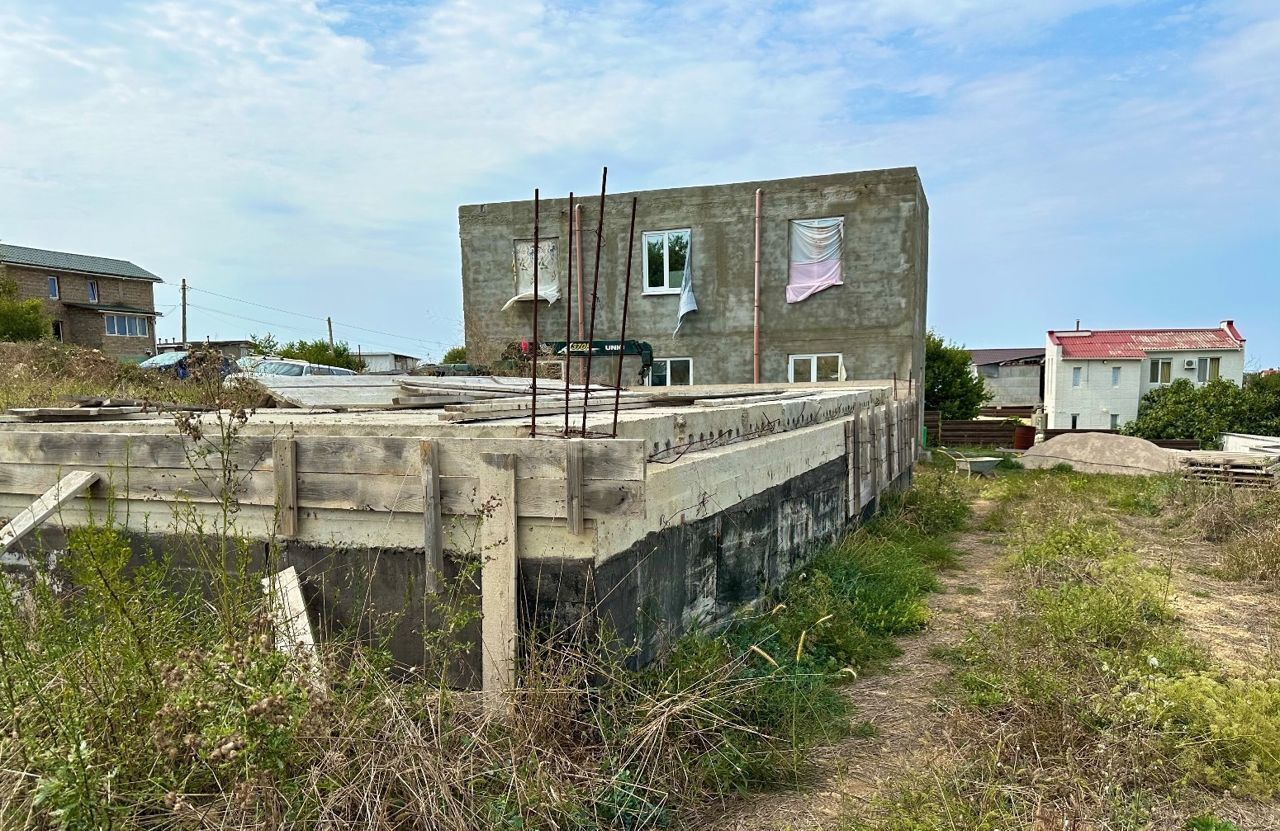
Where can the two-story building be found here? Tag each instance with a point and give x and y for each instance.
(818, 278)
(1095, 378)
(92, 301)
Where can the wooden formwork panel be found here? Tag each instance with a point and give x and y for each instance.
(359, 473)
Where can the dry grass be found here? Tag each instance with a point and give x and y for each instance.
(44, 373)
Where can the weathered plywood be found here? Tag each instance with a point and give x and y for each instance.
(66, 489)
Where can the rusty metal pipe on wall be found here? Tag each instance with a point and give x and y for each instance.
(755, 344)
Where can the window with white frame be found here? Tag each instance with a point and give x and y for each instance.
(666, 256)
(827, 366)
(53, 288)
(93, 291)
(1161, 371)
(671, 372)
(1115, 421)
(1208, 369)
(1076, 372)
(1115, 376)
(131, 326)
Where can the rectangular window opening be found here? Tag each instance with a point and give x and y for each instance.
(53, 288)
(666, 256)
(93, 291)
(671, 372)
(1075, 376)
(827, 366)
(57, 330)
(1115, 376)
(1115, 421)
(135, 326)
(1075, 421)
(1161, 371)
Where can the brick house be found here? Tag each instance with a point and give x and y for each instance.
(93, 301)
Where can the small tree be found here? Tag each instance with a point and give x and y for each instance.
(949, 384)
(319, 351)
(456, 355)
(264, 344)
(20, 319)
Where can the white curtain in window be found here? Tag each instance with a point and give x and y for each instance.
(548, 271)
(816, 247)
(688, 303)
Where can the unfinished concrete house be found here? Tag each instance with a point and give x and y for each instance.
(817, 278)
(646, 510)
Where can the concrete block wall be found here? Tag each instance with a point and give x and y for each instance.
(876, 320)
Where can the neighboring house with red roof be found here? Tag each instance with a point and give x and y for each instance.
(1095, 378)
(1014, 377)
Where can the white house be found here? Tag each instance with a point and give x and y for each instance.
(1095, 378)
(388, 362)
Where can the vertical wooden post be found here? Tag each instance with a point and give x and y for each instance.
(432, 532)
(874, 451)
(498, 577)
(284, 466)
(891, 433)
(852, 454)
(573, 484)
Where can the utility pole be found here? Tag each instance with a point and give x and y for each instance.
(329, 321)
(184, 312)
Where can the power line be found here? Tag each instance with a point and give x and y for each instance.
(336, 322)
(232, 316)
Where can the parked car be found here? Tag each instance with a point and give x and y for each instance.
(175, 363)
(288, 366)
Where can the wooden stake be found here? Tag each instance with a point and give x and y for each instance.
(284, 464)
(573, 484)
(497, 487)
(432, 532)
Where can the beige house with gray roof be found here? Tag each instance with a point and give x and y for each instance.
(99, 302)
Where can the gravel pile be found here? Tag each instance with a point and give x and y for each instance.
(1101, 453)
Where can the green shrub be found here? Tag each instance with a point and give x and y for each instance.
(1222, 732)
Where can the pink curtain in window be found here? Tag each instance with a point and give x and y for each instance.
(816, 248)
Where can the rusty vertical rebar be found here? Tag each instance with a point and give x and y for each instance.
(568, 317)
(595, 290)
(626, 303)
(533, 346)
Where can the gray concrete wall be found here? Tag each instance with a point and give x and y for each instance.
(1016, 386)
(876, 320)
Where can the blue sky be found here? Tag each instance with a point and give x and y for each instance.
(1117, 162)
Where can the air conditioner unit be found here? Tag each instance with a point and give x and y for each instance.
(1189, 363)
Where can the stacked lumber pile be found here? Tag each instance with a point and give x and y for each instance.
(1237, 470)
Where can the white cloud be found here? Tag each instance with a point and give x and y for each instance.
(270, 149)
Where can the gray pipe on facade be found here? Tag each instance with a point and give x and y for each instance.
(755, 346)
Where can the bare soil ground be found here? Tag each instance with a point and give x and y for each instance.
(899, 702)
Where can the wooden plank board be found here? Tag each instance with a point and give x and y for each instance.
(284, 458)
(66, 489)
(537, 458)
(432, 520)
(498, 574)
(601, 499)
(293, 633)
(125, 450)
(525, 411)
(573, 484)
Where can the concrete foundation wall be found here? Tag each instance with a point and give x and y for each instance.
(876, 320)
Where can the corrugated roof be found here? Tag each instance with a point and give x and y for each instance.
(1136, 343)
(62, 261)
(981, 357)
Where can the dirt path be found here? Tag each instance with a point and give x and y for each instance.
(899, 703)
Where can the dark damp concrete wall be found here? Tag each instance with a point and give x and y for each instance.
(876, 320)
(699, 573)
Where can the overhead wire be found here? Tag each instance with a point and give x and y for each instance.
(336, 323)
